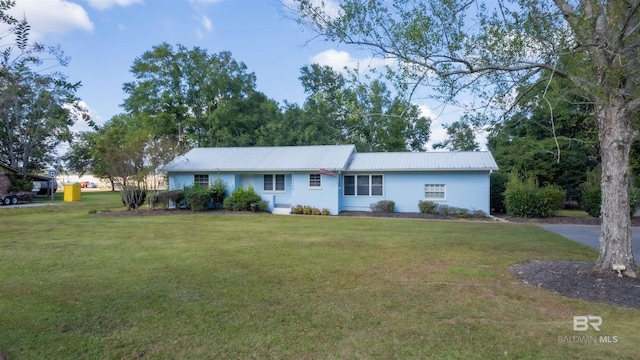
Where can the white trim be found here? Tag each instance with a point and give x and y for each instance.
(310, 187)
(371, 185)
(433, 189)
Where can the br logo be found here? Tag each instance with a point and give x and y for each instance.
(582, 323)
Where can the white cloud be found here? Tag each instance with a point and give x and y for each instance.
(338, 60)
(81, 122)
(206, 22)
(105, 4)
(438, 133)
(52, 16)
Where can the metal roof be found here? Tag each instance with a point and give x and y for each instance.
(276, 158)
(424, 161)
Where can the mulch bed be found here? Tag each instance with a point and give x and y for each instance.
(578, 280)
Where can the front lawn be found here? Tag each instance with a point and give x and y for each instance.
(203, 286)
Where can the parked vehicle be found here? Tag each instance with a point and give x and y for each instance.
(15, 197)
(43, 187)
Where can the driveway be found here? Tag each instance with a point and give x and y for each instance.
(590, 234)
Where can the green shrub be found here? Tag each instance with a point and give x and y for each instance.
(177, 196)
(218, 192)
(308, 210)
(427, 207)
(591, 201)
(198, 197)
(133, 198)
(20, 183)
(432, 208)
(241, 200)
(524, 198)
(497, 188)
(160, 199)
(383, 206)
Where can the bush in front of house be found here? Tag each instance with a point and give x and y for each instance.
(427, 207)
(383, 206)
(245, 200)
(198, 197)
(308, 210)
(432, 208)
(218, 192)
(161, 199)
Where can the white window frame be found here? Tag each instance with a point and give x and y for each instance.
(431, 192)
(201, 181)
(315, 181)
(370, 185)
(274, 183)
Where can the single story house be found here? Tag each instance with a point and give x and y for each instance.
(338, 178)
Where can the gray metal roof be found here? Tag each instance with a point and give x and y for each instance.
(424, 161)
(276, 158)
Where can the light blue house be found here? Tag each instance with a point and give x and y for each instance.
(338, 178)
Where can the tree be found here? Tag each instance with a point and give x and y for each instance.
(124, 153)
(210, 99)
(378, 121)
(551, 136)
(364, 113)
(466, 47)
(461, 138)
(37, 106)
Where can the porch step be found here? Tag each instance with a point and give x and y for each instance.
(281, 211)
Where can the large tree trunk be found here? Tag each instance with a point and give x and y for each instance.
(615, 144)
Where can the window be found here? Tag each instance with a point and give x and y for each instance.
(376, 185)
(201, 179)
(274, 182)
(435, 191)
(315, 180)
(349, 185)
(363, 185)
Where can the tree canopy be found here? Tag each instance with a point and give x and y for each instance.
(37, 105)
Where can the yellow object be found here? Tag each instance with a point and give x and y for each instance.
(72, 192)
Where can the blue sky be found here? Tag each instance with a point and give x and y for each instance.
(103, 38)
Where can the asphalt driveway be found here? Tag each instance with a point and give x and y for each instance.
(589, 235)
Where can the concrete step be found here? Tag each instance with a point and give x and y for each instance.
(281, 211)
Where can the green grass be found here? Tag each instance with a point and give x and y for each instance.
(202, 286)
(573, 213)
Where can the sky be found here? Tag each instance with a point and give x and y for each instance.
(104, 37)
